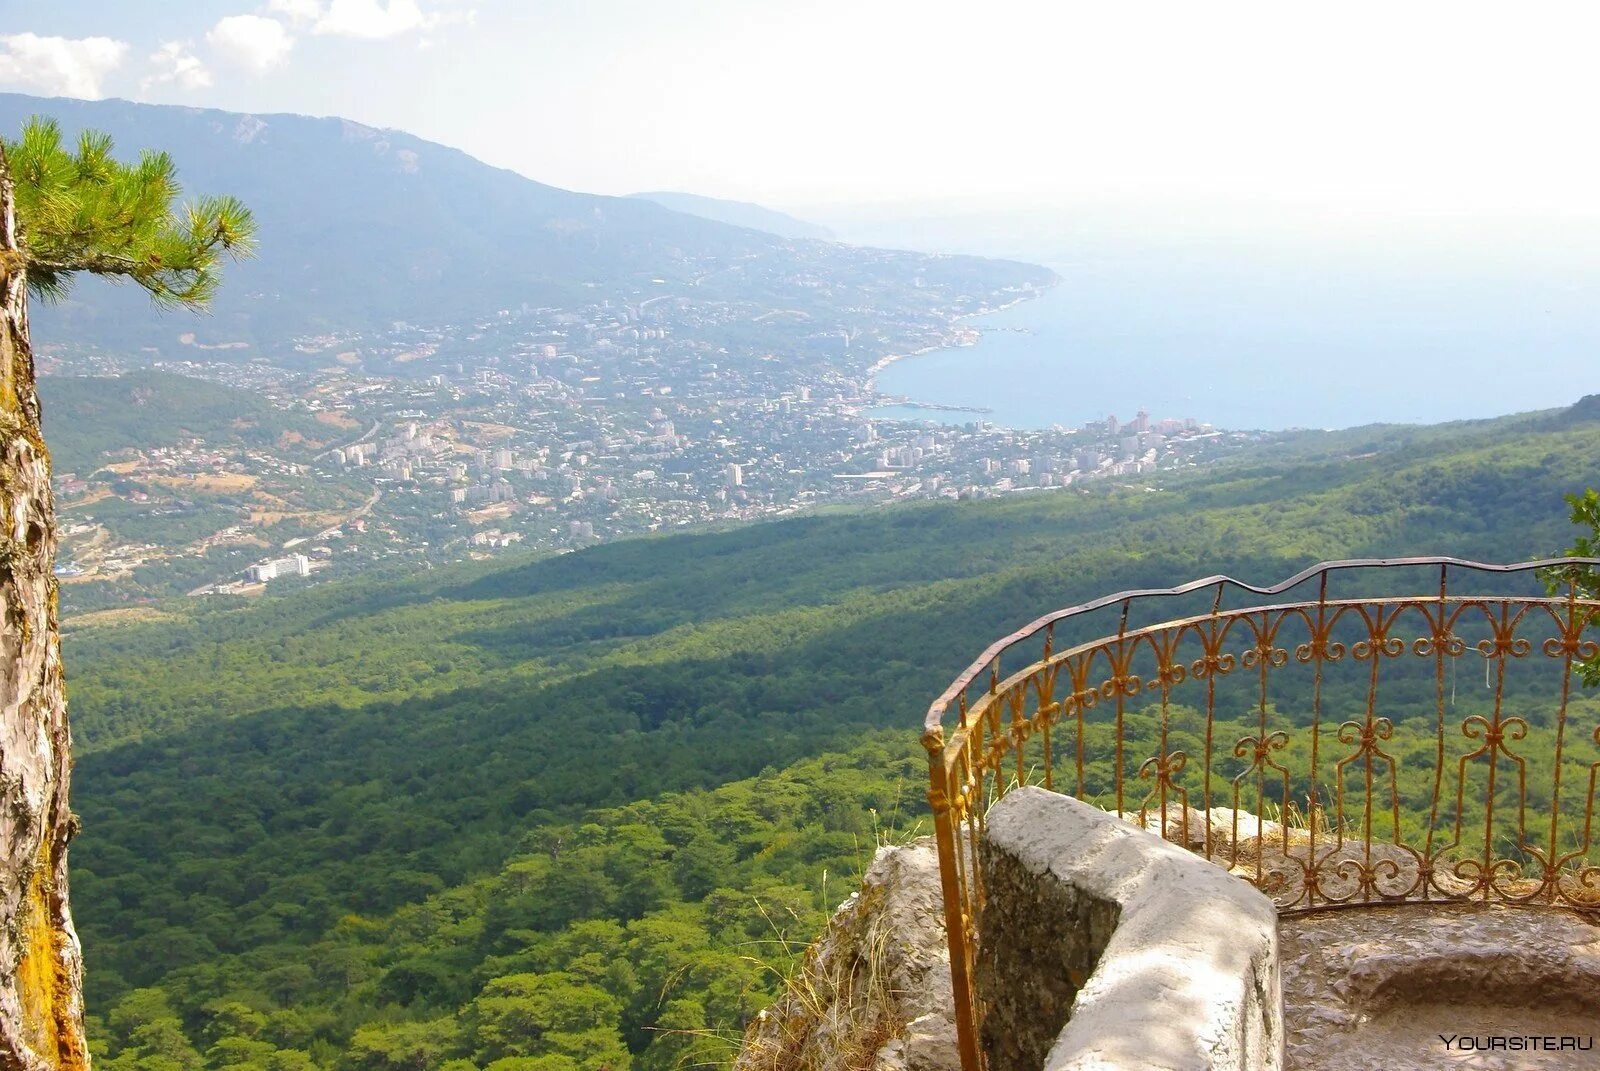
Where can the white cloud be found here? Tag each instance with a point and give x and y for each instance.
(461, 16)
(300, 13)
(175, 64)
(370, 18)
(72, 67)
(251, 41)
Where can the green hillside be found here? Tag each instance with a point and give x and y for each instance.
(93, 416)
(395, 824)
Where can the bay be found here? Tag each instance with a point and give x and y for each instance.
(1252, 337)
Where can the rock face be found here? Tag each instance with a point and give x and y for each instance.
(41, 965)
(874, 991)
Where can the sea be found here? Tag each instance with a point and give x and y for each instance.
(1241, 332)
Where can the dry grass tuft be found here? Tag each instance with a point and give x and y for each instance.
(839, 1007)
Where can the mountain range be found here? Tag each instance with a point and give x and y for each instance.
(361, 227)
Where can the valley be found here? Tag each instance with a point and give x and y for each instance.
(400, 773)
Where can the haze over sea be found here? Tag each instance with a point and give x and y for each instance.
(1242, 324)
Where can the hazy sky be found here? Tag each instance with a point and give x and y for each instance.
(1449, 106)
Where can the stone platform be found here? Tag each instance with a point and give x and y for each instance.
(1373, 988)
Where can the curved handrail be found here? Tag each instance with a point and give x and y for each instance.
(935, 717)
(972, 769)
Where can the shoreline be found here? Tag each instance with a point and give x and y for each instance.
(932, 407)
(975, 336)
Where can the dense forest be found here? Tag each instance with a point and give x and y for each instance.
(578, 812)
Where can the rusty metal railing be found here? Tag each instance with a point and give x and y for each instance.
(1336, 752)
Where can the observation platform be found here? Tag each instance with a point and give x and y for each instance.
(1385, 988)
(1396, 756)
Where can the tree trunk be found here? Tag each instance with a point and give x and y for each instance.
(41, 962)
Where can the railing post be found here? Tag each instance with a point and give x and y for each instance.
(955, 907)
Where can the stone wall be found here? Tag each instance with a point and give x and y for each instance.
(1105, 947)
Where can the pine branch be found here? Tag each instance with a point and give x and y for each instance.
(84, 211)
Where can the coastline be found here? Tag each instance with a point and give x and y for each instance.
(970, 336)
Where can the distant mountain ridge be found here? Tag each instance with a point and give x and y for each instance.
(739, 214)
(361, 227)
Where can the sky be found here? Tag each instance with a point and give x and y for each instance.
(1459, 107)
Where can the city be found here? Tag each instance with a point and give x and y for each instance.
(558, 429)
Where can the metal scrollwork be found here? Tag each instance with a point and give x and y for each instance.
(1360, 763)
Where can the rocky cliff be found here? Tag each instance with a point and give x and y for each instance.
(41, 965)
(873, 993)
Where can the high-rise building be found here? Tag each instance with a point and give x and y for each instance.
(293, 565)
(735, 474)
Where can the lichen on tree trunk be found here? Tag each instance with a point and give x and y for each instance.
(41, 962)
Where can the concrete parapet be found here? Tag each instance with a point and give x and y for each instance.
(1106, 948)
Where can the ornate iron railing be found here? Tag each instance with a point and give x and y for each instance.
(1336, 752)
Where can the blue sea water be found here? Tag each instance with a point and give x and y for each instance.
(1278, 337)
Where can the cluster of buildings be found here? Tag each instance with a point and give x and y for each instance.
(560, 428)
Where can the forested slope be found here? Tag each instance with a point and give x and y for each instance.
(91, 416)
(264, 787)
